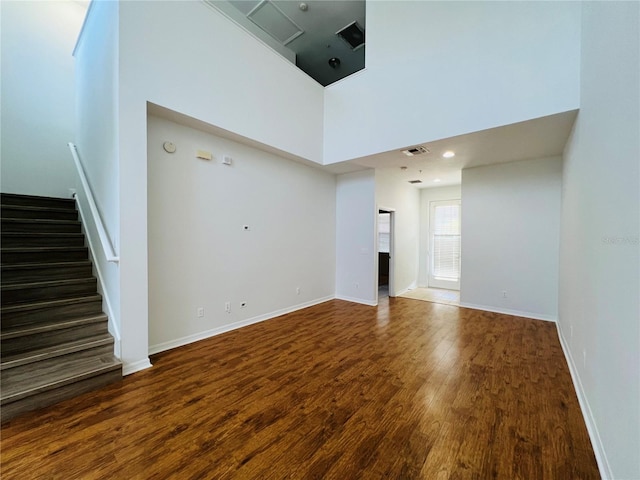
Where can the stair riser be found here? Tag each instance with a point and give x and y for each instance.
(49, 339)
(26, 295)
(29, 227)
(51, 397)
(62, 312)
(25, 275)
(45, 257)
(44, 202)
(9, 212)
(9, 241)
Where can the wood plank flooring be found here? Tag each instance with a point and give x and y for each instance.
(407, 390)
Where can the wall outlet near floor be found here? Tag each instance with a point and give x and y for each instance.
(227, 307)
(504, 294)
(200, 312)
(357, 285)
(297, 290)
(584, 357)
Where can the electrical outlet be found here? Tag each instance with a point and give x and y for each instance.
(297, 290)
(200, 312)
(584, 357)
(504, 294)
(357, 285)
(243, 304)
(227, 307)
(570, 332)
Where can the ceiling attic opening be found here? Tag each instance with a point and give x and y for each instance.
(324, 38)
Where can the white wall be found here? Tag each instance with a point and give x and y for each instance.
(356, 237)
(96, 138)
(428, 195)
(167, 55)
(199, 254)
(440, 69)
(245, 87)
(510, 237)
(397, 194)
(38, 95)
(599, 316)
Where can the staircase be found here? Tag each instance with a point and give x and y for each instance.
(54, 338)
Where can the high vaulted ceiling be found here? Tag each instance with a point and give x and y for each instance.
(304, 32)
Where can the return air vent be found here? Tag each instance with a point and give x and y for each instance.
(415, 181)
(418, 150)
(272, 20)
(353, 34)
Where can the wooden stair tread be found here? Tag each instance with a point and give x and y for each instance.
(24, 358)
(6, 198)
(32, 329)
(42, 249)
(66, 372)
(44, 221)
(43, 234)
(35, 271)
(22, 266)
(52, 303)
(48, 283)
(35, 208)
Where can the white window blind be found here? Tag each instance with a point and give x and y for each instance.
(446, 242)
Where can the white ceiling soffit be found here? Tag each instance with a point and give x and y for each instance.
(538, 138)
(273, 21)
(182, 119)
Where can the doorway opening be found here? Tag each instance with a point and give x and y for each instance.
(385, 253)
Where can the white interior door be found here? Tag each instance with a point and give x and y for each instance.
(444, 248)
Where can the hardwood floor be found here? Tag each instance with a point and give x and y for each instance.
(408, 390)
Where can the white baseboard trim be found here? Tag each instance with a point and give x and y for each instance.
(506, 311)
(106, 302)
(179, 342)
(129, 368)
(405, 290)
(596, 441)
(357, 300)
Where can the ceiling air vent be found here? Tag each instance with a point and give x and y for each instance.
(415, 181)
(353, 34)
(419, 150)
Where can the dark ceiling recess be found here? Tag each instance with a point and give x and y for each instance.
(353, 35)
(318, 32)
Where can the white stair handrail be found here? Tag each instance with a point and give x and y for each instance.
(97, 218)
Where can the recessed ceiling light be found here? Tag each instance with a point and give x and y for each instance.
(449, 154)
(436, 180)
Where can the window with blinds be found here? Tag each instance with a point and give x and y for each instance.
(446, 242)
